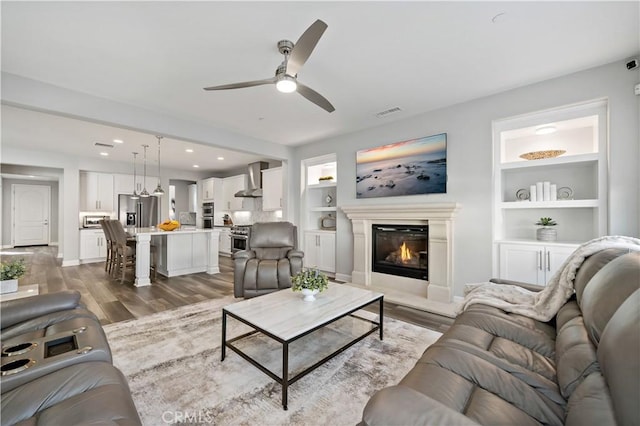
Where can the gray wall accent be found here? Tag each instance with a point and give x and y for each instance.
(469, 136)
(6, 207)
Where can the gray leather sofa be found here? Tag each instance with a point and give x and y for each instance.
(270, 262)
(497, 368)
(56, 366)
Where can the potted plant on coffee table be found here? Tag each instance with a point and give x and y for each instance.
(9, 273)
(310, 282)
(547, 232)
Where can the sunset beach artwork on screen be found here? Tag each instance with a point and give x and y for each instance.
(416, 166)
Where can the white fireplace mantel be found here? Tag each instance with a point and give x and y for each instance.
(439, 217)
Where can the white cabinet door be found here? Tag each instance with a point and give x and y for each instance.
(96, 192)
(320, 250)
(231, 185)
(532, 263)
(272, 189)
(555, 257)
(123, 184)
(225, 242)
(521, 262)
(208, 186)
(93, 245)
(199, 250)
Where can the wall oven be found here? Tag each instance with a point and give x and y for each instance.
(207, 215)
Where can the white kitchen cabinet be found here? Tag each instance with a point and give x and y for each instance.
(93, 245)
(212, 190)
(181, 254)
(230, 186)
(272, 189)
(320, 250)
(96, 192)
(532, 263)
(225, 242)
(123, 184)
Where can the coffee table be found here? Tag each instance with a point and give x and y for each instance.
(284, 317)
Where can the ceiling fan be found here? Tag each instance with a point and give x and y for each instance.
(295, 56)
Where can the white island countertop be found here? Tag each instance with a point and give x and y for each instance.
(158, 231)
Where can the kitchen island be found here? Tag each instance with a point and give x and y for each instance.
(179, 252)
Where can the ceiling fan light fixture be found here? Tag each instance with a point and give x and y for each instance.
(286, 84)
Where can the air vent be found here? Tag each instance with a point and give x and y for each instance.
(388, 112)
(106, 145)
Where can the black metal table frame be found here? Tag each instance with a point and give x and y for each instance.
(285, 381)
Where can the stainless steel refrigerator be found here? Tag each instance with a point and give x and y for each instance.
(141, 213)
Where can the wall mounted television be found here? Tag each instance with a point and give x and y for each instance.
(412, 167)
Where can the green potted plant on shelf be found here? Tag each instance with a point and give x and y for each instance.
(547, 232)
(310, 282)
(10, 272)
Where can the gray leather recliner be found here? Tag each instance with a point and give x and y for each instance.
(56, 365)
(270, 262)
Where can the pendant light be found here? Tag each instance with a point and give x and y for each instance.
(134, 194)
(158, 192)
(144, 193)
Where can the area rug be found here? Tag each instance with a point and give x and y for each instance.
(172, 363)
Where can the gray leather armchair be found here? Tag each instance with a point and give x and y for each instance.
(270, 262)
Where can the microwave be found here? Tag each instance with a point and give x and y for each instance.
(92, 221)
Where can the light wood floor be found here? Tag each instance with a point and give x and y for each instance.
(113, 302)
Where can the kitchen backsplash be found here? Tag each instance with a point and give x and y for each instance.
(251, 217)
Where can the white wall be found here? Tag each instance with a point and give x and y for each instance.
(469, 149)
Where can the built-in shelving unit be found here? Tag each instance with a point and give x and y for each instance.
(319, 207)
(579, 175)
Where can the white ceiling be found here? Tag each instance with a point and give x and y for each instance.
(418, 56)
(46, 132)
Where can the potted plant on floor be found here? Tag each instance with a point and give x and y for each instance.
(9, 274)
(547, 232)
(310, 282)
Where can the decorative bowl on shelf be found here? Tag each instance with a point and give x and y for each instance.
(539, 155)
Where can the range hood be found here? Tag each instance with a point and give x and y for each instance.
(254, 189)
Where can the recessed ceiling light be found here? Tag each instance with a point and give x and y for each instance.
(195, 166)
(545, 130)
(104, 154)
(220, 158)
(118, 141)
(188, 150)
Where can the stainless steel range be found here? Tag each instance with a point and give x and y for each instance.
(240, 237)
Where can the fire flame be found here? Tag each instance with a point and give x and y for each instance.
(405, 253)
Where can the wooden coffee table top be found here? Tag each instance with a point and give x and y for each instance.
(285, 315)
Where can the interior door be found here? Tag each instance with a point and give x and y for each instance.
(30, 214)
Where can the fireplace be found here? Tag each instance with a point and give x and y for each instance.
(431, 294)
(400, 250)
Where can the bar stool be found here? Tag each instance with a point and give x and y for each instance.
(125, 250)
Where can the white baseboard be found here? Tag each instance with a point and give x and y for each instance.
(7, 246)
(74, 262)
(343, 277)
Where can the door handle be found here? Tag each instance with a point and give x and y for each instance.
(540, 260)
(46, 222)
(548, 261)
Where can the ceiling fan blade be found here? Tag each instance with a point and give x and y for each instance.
(304, 46)
(243, 84)
(315, 97)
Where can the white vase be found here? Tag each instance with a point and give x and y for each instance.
(8, 286)
(309, 295)
(546, 234)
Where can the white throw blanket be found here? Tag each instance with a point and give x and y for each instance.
(543, 305)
